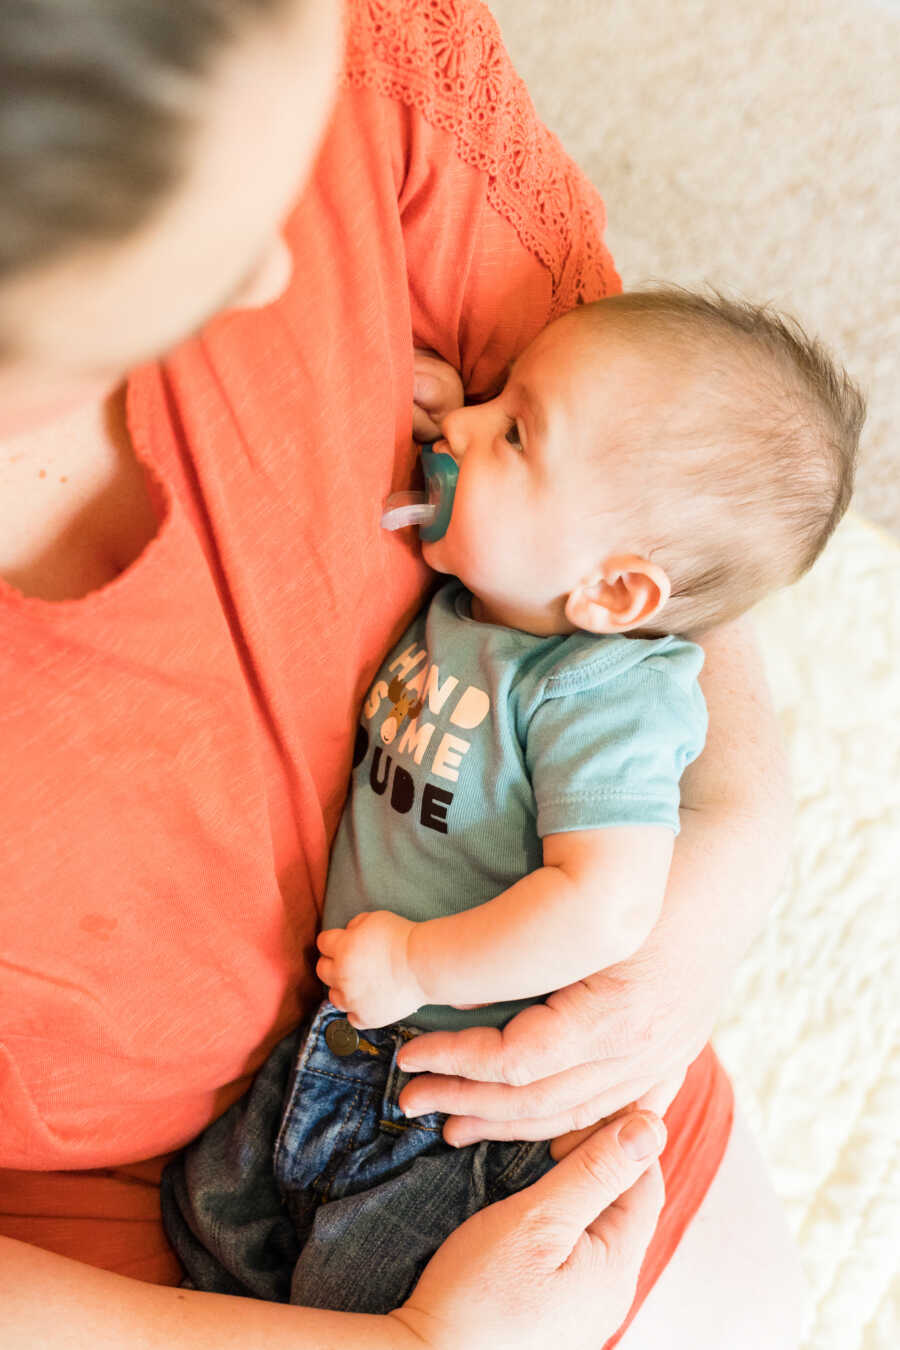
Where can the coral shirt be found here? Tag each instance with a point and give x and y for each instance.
(176, 745)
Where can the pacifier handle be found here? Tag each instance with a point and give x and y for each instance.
(407, 508)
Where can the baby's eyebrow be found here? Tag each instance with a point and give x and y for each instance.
(534, 408)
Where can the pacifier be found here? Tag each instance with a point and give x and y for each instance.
(430, 510)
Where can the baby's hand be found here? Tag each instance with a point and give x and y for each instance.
(367, 970)
(438, 391)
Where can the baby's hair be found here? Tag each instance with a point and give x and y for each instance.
(761, 457)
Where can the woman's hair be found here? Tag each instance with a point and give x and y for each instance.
(96, 107)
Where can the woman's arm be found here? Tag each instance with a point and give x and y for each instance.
(742, 782)
(47, 1300)
(560, 1257)
(608, 1039)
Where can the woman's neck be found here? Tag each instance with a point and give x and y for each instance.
(74, 508)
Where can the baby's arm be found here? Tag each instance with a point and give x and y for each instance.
(591, 904)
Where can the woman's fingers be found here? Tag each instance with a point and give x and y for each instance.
(538, 1041)
(556, 1262)
(498, 1101)
(550, 1098)
(626, 1226)
(541, 1041)
(461, 1130)
(563, 1144)
(573, 1197)
(660, 1097)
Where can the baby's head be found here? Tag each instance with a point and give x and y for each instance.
(657, 462)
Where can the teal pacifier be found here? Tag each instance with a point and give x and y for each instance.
(431, 509)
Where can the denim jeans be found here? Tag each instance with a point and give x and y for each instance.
(315, 1189)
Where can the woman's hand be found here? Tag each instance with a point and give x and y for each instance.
(555, 1264)
(437, 391)
(590, 1050)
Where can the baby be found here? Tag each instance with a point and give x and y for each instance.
(655, 464)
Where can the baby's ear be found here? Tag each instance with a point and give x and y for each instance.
(624, 592)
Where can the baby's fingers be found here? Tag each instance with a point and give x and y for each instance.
(438, 391)
(328, 940)
(325, 969)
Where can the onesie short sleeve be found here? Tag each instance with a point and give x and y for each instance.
(608, 747)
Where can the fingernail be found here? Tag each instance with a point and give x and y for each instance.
(411, 1111)
(640, 1139)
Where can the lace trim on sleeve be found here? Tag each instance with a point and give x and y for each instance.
(446, 59)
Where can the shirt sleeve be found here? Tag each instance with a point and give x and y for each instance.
(502, 230)
(613, 754)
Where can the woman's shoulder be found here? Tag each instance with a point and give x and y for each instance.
(444, 58)
(445, 61)
(449, 39)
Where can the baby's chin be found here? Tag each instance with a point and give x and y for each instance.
(431, 552)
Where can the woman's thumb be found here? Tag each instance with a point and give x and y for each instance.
(586, 1181)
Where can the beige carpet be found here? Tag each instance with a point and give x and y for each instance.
(811, 1030)
(755, 146)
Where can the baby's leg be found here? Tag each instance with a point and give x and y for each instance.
(735, 1278)
(388, 1190)
(222, 1210)
(367, 1247)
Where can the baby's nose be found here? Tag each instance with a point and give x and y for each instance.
(453, 431)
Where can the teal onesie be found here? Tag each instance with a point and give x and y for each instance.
(475, 741)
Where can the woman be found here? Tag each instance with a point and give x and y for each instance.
(194, 593)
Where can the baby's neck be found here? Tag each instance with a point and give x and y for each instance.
(538, 622)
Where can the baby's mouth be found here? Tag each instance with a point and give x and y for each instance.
(429, 510)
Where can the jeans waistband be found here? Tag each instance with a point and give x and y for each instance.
(372, 1064)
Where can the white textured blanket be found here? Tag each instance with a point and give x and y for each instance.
(810, 1034)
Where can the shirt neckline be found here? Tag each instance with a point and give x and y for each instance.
(142, 425)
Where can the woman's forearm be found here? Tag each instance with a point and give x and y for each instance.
(736, 809)
(49, 1302)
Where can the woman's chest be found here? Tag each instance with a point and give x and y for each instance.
(74, 505)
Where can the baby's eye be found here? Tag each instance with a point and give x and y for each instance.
(512, 435)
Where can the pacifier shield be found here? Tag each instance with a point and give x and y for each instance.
(441, 474)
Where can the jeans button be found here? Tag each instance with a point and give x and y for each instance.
(341, 1038)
